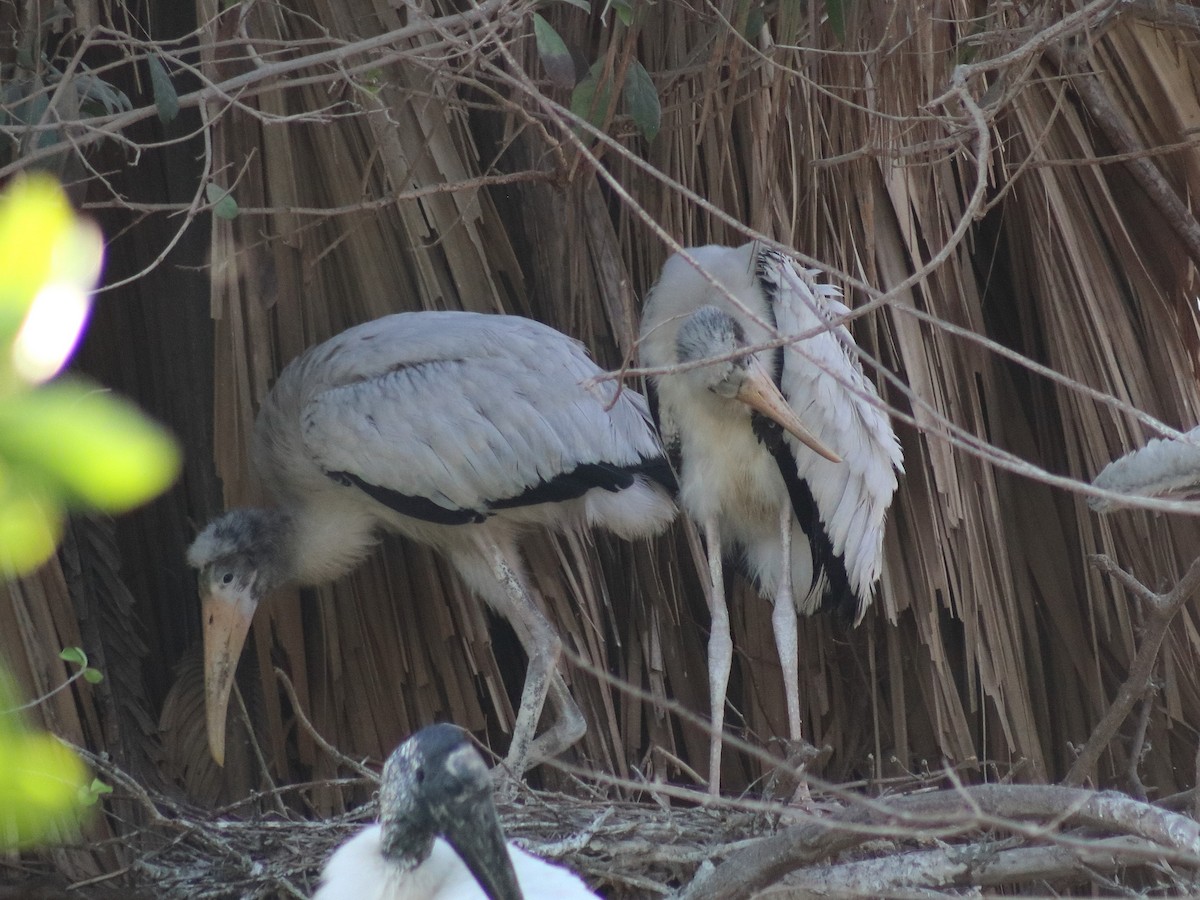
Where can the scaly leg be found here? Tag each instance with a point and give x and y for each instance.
(783, 618)
(542, 678)
(720, 653)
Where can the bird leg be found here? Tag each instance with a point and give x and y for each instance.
(783, 619)
(720, 653)
(542, 678)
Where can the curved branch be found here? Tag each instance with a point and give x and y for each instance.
(999, 806)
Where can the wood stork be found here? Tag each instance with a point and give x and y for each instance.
(455, 429)
(1164, 467)
(438, 836)
(780, 460)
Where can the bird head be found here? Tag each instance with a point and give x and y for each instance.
(240, 557)
(712, 333)
(436, 784)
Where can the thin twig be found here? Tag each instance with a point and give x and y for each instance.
(308, 726)
(1160, 610)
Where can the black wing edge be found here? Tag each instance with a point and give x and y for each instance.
(564, 486)
(414, 507)
(584, 477)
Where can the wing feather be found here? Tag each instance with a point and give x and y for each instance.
(852, 496)
(460, 409)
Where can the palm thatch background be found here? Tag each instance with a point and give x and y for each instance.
(1002, 189)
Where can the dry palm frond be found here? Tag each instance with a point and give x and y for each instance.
(1011, 645)
(993, 185)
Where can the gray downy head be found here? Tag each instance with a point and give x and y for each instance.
(711, 332)
(249, 546)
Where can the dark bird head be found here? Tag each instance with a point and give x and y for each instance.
(240, 557)
(436, 784)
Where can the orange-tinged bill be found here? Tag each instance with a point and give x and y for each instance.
(759, 392)
(227, 619)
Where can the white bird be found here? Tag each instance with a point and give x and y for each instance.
(1164, 467)
(779, 460)
(454, 429)
(438, 836)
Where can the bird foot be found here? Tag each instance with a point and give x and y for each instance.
(506, 784)
(790, 778)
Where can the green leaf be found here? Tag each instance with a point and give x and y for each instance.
(85, 446)
(641, 100)
(371, 81)
(49, 261)
(40, 781)
(554, 53)
(73, 655)
(34, 214)
(755, 20)
(39, 788)
(624, 10)
(837, 19)
(92, 87)
(89, 795)
(223, 204)
(166, 98)
(30, 525)
(591, 100)
(582, 4)
(92, 676)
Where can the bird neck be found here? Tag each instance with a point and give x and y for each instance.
(328, 541)
(405, 847)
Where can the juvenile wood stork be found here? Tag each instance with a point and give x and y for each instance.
(455, 429)
(438, 836)
(780, 461)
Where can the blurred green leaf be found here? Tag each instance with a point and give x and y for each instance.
(837, 19)
(30, 525)
(223, 204)
(40, 781)
(49, 261)
(87, 446)
(89, 795)
(590, 100)
(92, 676)
(624, 9)
(755, 20)
(166, 98)
(641, 100)
(93, 90)
(34, 215)
(554, 53)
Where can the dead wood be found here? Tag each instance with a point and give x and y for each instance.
(1025, 809)
(1160, 610)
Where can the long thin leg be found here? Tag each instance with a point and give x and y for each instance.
(783, 619)
(542, 678)
(720, 653)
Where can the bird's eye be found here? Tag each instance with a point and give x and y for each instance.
(420, 774)
(227, 578)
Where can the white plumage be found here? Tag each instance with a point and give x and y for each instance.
(1164, 467)
(458, 430)
(780, 462)
(404, 858)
